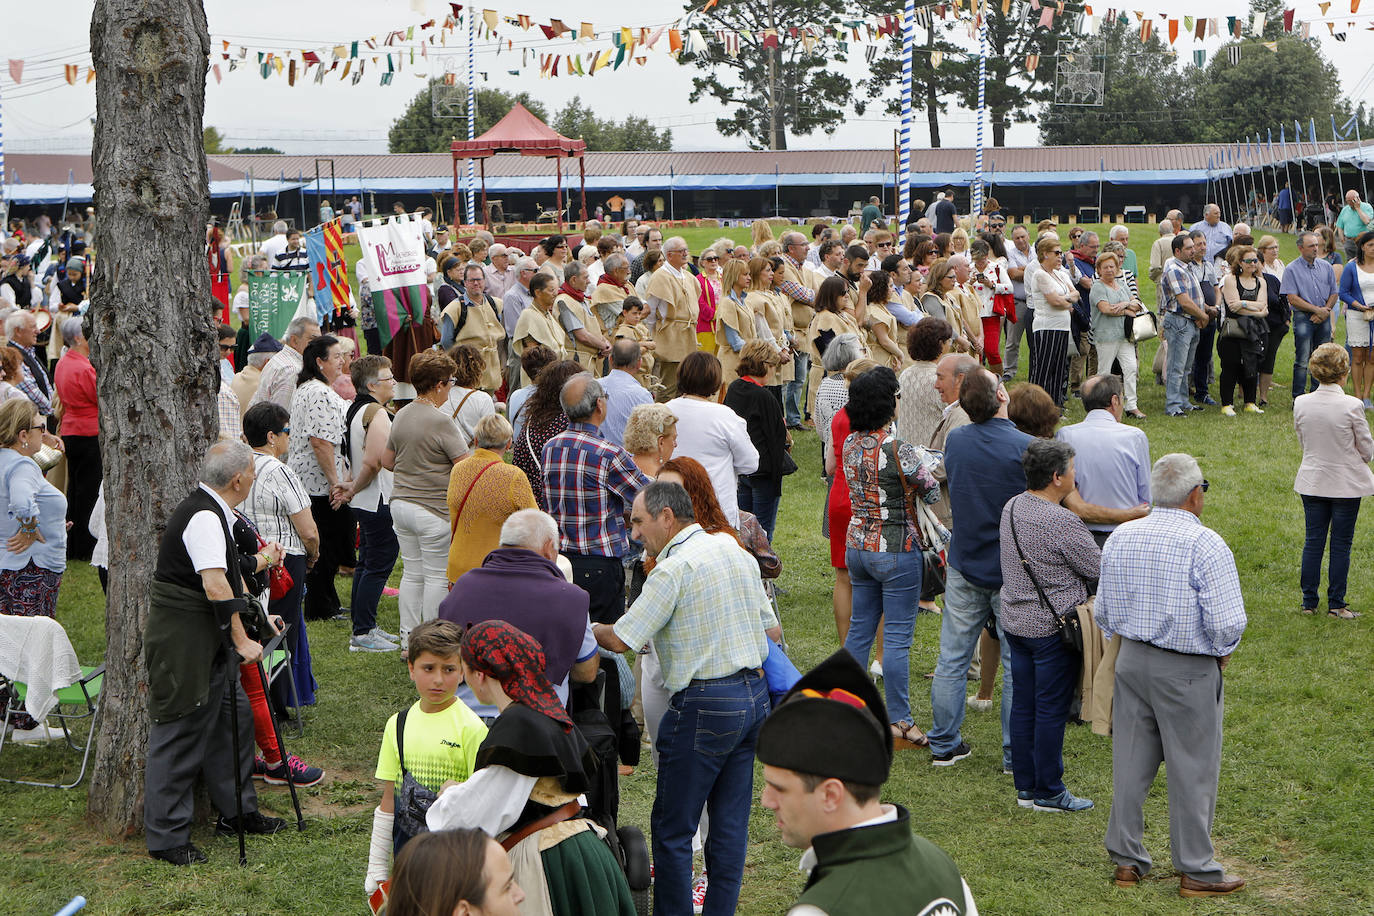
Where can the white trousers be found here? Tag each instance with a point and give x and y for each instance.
(424, 541)
(1123, 351)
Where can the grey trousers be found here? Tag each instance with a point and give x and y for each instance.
(1166, 708)
(199, 742)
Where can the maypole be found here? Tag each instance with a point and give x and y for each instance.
(904, 157)
(472, 112)
(4, 198)
(977, 207)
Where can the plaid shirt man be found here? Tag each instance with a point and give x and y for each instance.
(590, 484)
(791, 288)
(704, 607)
(1177, 280)
(1169, 580)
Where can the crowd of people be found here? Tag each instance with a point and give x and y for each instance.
(647, 402)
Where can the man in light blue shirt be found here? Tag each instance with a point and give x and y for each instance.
(1218, 233)
(515, 301)
(1111, 459)
(623, 390)
(1170, 592)
(1311, 288)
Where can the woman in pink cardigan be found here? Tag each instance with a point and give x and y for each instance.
(1333, 477)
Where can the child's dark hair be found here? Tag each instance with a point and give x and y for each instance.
(442, 638)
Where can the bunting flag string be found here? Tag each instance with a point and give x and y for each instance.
(629, 44)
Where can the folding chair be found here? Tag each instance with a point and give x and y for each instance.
(276, 658)
(37, 648)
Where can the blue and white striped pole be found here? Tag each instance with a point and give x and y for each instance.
(982, 87)
(904, 156)
(4, 209)
(472, 111)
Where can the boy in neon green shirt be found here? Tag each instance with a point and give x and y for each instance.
(439, 742)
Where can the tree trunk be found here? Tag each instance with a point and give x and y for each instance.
(999, 128)
(152, 343)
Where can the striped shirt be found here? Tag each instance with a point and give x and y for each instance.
(1169, 580)
(276, 495)
(589, 486)
(704, 607)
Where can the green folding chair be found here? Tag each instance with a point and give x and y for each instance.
(80, 701)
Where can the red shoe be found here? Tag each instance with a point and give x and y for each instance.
(699, 893)
(389, 592)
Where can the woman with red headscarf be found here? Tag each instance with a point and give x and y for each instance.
(530, 770)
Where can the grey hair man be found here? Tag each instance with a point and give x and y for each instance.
(278, 380)
(1113, 458)
(1161, 250)
(1216, 232)
(949, 376)
(1170, 592)
(21, 328)
(196, 641)
(522, 583)
(575, 315)
(589, 482)
(673, 294)
(501, 273)
(516, 300)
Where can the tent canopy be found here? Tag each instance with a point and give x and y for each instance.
(520, 132)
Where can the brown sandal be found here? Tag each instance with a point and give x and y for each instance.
(1343, 613)
(902, 740)
(1309, 611)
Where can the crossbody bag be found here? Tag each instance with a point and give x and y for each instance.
(1069, 626)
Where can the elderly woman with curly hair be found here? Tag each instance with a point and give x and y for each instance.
(544, 419)
(920, 407)
(422, 449)
(651, 436)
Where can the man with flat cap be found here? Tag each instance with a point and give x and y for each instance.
(826, 752)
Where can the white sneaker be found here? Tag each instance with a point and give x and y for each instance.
(40, 734)
(979, 704)
(876, 669)
(389, 637)
(370, 642)
(699, 893)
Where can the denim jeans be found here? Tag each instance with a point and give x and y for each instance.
(1306, 338)
(886, 584)
(760, 496)
(792, 403)
(377, 551)
(706, 758)
(967, 607)
(1046, 673)
(1181, 335)
(1323, 512)
(1202, 360)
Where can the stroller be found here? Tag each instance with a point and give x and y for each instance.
(613, 735)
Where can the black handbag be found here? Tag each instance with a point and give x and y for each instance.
(1069, 625)
(933, 565)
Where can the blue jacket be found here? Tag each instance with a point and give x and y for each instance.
(1350, 293)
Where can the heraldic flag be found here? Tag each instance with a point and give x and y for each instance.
(394, 258)
(328, 275)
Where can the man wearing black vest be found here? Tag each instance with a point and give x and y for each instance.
(826, 752)
(197, 594)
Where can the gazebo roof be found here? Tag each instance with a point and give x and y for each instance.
(519, 132)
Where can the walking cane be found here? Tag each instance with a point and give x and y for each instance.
(276, 731)
(232, 607)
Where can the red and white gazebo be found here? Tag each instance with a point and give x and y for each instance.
(521, 132)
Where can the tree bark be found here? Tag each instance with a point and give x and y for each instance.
(152, 343)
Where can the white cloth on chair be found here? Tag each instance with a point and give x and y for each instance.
(36, 651)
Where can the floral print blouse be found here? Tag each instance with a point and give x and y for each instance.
(875, 464)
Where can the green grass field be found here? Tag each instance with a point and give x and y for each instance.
(1293, 816)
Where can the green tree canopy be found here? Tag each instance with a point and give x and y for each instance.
(419, 131)
(214, 141)
(790, 85)
(1143, 94)
(578, 121)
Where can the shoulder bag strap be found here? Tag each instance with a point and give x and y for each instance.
(530, 445)
(453, 528)
(913, 503)
(459, 409)
(1040, 592)
(400, 739)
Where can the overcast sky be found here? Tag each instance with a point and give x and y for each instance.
(339, 117)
